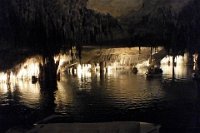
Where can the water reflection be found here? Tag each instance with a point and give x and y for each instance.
(111, 94)
(63, 96)
(181, 68)
(119, 86)
(27, 92)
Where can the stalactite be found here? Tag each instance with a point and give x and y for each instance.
(47, 25)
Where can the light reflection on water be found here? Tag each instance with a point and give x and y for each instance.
(22, 92)
(95, 94)
(63, 96)
(181, 69)
(29, 93)
(120, 88)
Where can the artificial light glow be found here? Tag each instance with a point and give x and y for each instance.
(23, 71)
(142, 67)
(84, 70)
(195, 58)
(143, 64)
(3, 77)
(180, 68)
(97, 67)
(109, 70)
(28, 69)
(62, 59)
(3, 88)
(179, 60)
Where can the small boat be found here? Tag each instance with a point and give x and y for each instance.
(34, 79)
(154, 72)
(57, 124)
(135, 70)
(196, 76)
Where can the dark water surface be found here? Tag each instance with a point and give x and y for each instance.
(118, 96)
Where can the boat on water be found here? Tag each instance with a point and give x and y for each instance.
(54, 124)
(196, 76)
(154, 72)
(135, 70)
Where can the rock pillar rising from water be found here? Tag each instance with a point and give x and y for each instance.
(48, 71)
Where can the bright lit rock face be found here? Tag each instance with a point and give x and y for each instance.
(113, 59)
(131, 55)
(23, 71)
